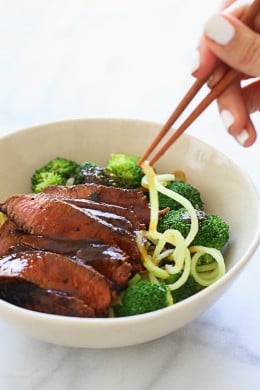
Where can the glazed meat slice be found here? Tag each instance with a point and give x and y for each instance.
(14, 240)
(110, 261)
(126, 214)
(30, 296)
(52, 271)
(31, 241)
(129, 198)
(116, 220)
(41, 214)
(8, 236)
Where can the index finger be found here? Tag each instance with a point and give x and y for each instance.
(206, 60)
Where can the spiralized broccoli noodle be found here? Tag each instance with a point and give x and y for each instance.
(3, 218)
(169, 253)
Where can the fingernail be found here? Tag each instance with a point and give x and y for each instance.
(242, 137)
(227, 118)
(196, 62)
(219, 29)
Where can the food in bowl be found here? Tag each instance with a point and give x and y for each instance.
(218, 178)
(112, 241)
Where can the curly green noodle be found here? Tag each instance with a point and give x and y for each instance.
(3, 218)
(180, 257)
(211, 275)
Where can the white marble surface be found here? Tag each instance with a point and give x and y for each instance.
(106, 58)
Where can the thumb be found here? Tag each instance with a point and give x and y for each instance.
(234, 43)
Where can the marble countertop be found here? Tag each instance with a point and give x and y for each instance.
(63, 59)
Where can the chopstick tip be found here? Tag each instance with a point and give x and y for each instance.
(142, 162)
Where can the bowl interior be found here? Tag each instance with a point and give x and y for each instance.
(225, 189)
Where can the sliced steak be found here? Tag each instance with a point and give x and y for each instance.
(41, 214)
(110, 209)
(32, 297)
(110, 261)
(129, 198)
(44, 243)
(14, 240)
(8, 236)
(52, 271)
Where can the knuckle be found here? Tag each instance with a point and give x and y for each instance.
(250, 56)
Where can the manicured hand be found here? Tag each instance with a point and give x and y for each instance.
(227, 39)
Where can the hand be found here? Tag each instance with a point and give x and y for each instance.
(228, 40)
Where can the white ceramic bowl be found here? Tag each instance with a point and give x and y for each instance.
(226, 190)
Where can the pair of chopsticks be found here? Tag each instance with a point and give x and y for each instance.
(215, 92)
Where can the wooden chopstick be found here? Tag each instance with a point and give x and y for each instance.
(216, 91)
(198, 84)
(212, 95)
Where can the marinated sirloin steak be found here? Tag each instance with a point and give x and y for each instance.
(31, 241)
(52, 271)
(134, 223)
(131, 199)
(8, 236)
(112, 262)
(70, 250)
(42, 214)
(14, 240)
(32, 297)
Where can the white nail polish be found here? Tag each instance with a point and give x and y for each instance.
(219, 29)
(196, 62)
(227, 118)
(242, 137)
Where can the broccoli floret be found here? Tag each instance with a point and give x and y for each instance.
(206, 259)
(89, 172)
(173, 219)
(83, 171)
(125, 171)
(189, 288)
(45, 179)
(143, 297)
(179, 220)
(185, 189)
(64, 167)
(213, 231)
(55, 172)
